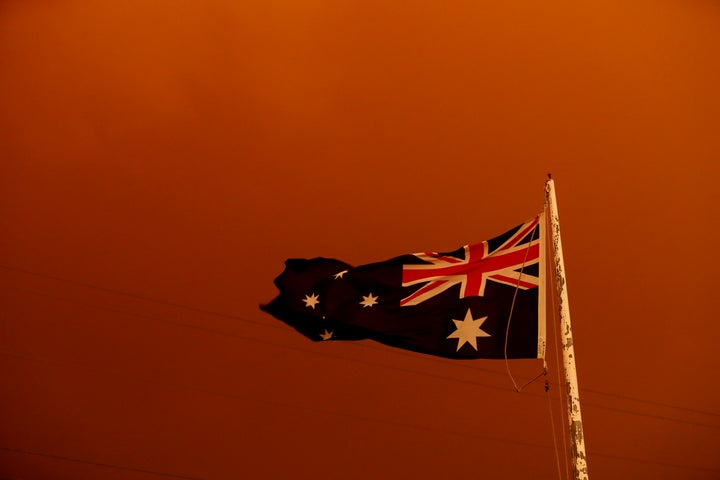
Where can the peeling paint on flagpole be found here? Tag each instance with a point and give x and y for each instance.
(575, 419)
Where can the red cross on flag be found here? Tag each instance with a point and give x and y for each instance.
(478, 264)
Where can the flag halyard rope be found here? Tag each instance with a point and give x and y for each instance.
(512, 307)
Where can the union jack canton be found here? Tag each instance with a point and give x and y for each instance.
(505, 264)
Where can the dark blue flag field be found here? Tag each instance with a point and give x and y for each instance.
(484, 300)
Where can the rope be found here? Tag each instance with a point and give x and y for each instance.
(562, 399)
(512, 307)
(552, 426)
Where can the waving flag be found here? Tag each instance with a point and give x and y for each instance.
(484, 300)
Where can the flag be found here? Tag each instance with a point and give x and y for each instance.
(462, 304)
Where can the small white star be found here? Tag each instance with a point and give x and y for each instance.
(311, 300)
(340, 274)
(369, 301)
(327, 335)
(468, 330)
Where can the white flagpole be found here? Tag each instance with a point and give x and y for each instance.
(576, 428)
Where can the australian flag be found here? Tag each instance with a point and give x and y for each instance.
(483, 300)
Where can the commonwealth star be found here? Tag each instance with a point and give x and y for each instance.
(468, 330)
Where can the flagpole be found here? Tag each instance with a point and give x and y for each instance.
(571, 383)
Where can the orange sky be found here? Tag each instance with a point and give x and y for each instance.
(160, 160)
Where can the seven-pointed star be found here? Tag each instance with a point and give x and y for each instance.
(340, 274)
(468, 330)
(369, 300)
(327, 335)
(311, 300)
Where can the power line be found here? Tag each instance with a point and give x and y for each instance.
(651, 402)
(123, 293)
(275, 325)
(272, 343)
(386, 366)
(362, 361)
(315, 352)
(354, 416)
(282, 326)
(650, 415)
(98, 464)
(294, 405)
(653, 462)
(268, 342)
